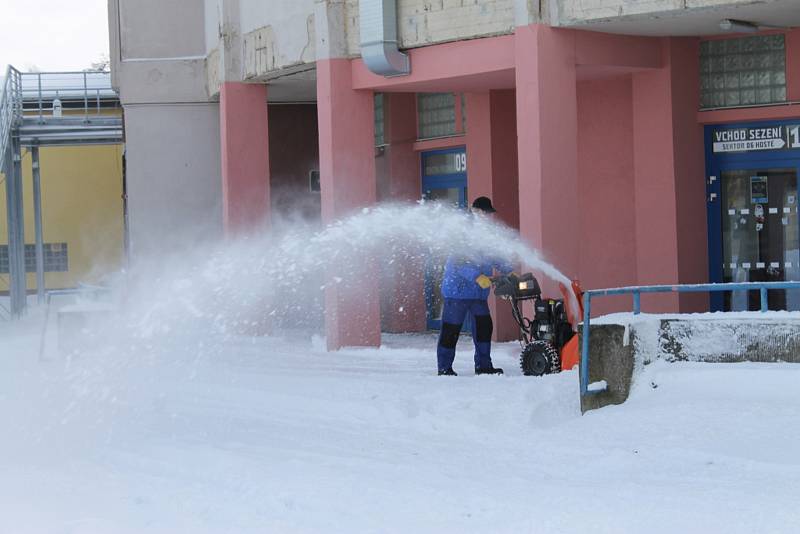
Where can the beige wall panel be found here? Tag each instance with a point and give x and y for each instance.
(173, 174)
(577, 11)
(713, 3)
(585, 11)
(425, 22)
(162, 81)
(274, 39)
(153, 29)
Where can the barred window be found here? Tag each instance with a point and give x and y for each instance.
(437, 115)
(56, 258)
(743, 72)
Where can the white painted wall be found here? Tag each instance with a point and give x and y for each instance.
(158, 50)
(211, 8)
(173, 176)
(153, 29)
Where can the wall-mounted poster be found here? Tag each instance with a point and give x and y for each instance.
(758, 190)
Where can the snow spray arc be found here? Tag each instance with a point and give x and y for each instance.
(282, 274)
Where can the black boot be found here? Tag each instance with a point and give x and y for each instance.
(447, 372)
(488, 371)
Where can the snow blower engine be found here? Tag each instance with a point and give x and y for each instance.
(549, 343)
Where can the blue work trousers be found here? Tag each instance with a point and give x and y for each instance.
(453, 315)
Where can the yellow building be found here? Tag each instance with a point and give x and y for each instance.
(82, 199)
(82, 215)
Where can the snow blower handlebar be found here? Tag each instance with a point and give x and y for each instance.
(517, 287)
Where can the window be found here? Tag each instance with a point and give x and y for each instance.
(464, 112)
(437, 115)
(380, 139)
(56, 258)
(743, 72)
(313, 181)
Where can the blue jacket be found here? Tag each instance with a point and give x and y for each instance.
(460, 274)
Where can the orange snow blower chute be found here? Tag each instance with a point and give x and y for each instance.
(549, 343)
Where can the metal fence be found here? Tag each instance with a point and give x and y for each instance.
(85, 91)
(636, 293)
(10, 108)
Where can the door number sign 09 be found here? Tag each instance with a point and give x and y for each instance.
(461, 162)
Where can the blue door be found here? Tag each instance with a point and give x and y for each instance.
(444, 179)
(754, 233)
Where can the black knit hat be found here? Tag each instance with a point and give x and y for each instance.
(483, 204)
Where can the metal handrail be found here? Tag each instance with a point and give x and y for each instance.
(10, 108)
(28, 92)
(89, 87)
(636, 292)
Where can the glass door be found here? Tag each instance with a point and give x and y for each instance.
(760, 234)
(444, 179)
(751, 192)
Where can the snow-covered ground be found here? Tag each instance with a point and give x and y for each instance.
(270, 435)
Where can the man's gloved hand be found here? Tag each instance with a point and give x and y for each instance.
(484, 281)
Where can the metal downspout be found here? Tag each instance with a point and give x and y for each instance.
(37, 221)
(379, 42)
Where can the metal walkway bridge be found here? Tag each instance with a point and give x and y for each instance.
(41, 109)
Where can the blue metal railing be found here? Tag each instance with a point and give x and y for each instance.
(636, 292)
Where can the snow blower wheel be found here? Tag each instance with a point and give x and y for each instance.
(539, 358)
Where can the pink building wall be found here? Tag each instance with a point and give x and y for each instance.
(347, 179)
(492, 172)
(690, 182)
(590, 143)
(547, 134)
(606, 188)
(653, 140)
(244, 136)
(398, 179)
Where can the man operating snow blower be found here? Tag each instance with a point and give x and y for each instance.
(465, 288)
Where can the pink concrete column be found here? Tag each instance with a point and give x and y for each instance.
(492, 172)
(245, 156)
(347, 179)
(403, 295)
(690, 179)
(606, 188)
(793, 66)
(479, 145)
(669, 181)
(547, 138)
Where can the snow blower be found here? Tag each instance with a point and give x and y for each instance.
(548, 340)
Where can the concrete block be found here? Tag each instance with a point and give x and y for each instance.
(611, 358)
(730, 340)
